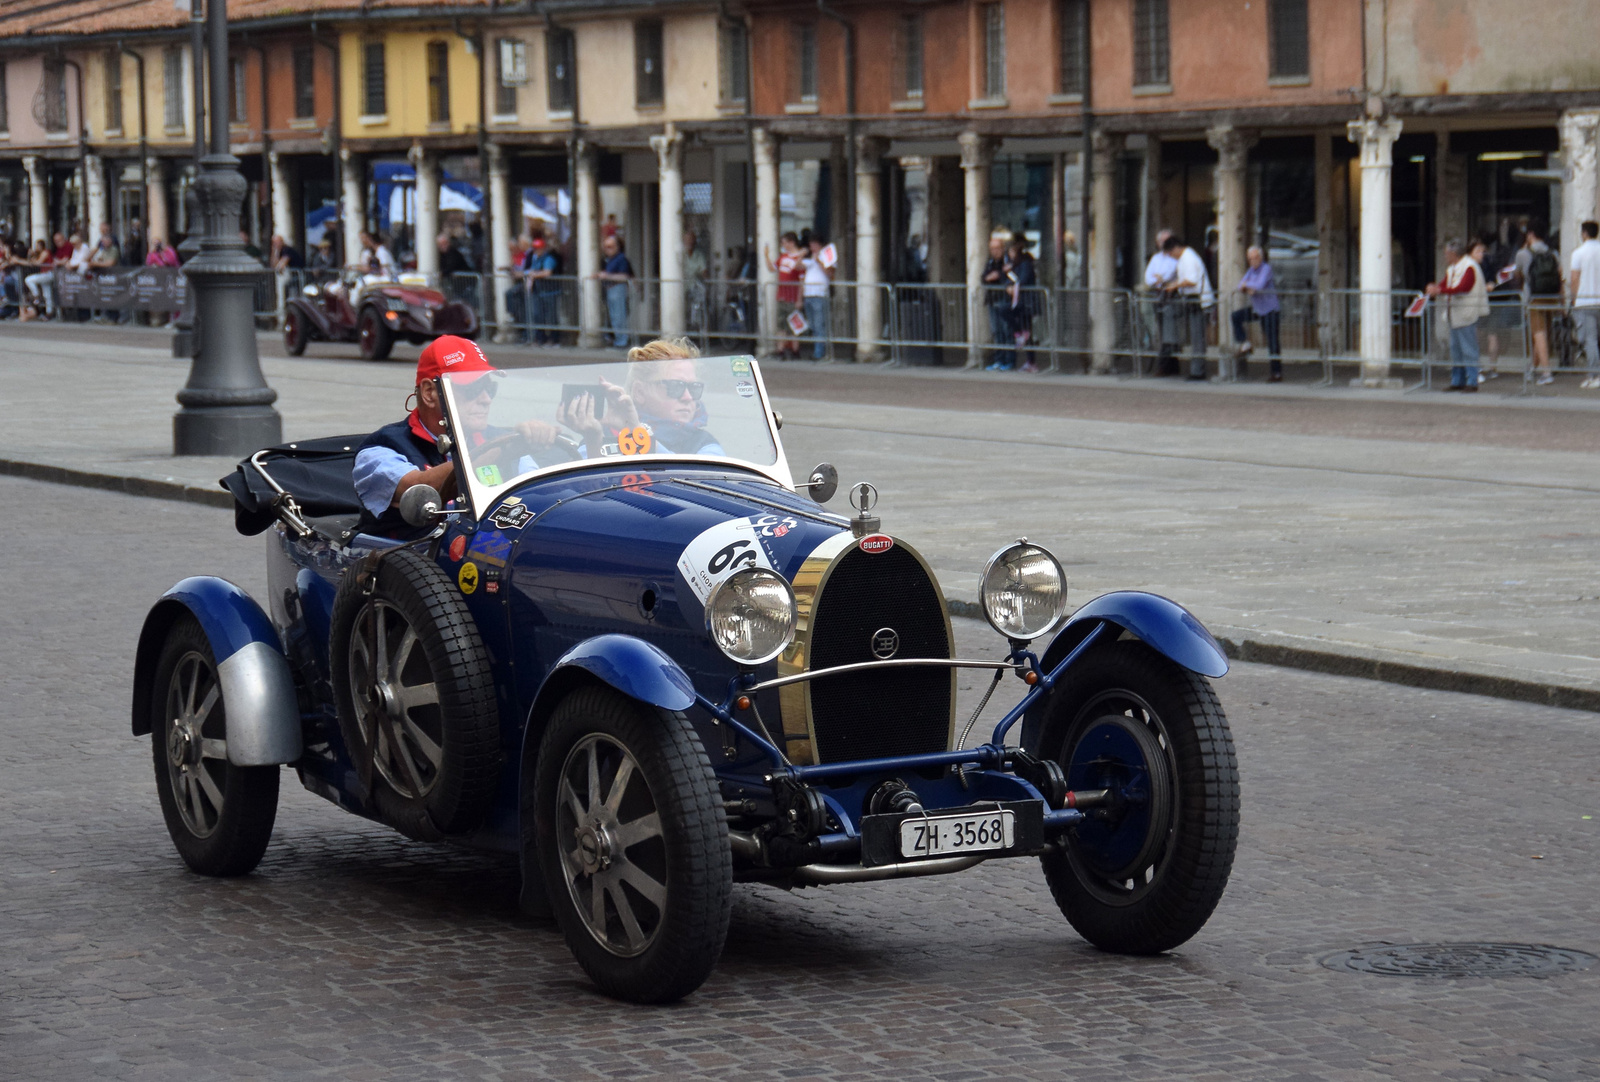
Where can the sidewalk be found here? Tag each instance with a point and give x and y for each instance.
(1444, 563)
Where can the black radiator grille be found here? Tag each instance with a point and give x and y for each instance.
(872, 714)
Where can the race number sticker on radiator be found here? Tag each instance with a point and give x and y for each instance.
(728, 547)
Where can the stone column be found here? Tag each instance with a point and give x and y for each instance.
(977, 153)
(1449, 200)
(500, 238)
(1375, 136)
(1328, 336)
(352, 210)
(1102, 239)
(155, 197)
(94, 197)
(1580, 174)
(1233, 211)
(869, 258)
(586, 209)
(425, 236)
(669, 166)
(38, 200)
(283, 220)
(765, 146)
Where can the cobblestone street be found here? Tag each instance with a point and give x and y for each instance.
(1371, 813)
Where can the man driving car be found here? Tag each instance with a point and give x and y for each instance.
(406, 453)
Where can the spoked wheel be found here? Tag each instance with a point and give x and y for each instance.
(396, 701)
(219, 815)
(415, 697)
(1145, 870)
(375, 339)
(634, 845)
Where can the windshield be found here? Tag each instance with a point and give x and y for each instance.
(522, 422)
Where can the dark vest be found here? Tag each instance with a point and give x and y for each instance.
(419, 452)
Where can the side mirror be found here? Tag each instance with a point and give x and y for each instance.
(824, 482)
(420, 505)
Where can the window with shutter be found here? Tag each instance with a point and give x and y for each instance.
(648, 85)
(438, 82)
(1151, 55)
(305, 101)
(374, 80)
(994, 51)
(560, 51)
(1288, 39)
(1070, 39)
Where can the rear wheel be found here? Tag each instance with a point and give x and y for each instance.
(376, 340)
(219, 815)
(1144, 871)
(296, 332)
(634, 845)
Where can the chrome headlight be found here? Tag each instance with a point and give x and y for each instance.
(751, 615)
(1023, 591)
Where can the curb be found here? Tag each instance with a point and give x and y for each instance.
(129, 486)
(1247, 650)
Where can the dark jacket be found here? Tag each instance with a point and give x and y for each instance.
(421, 453)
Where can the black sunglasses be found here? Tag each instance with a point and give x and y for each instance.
(674, 388)
(468, 391)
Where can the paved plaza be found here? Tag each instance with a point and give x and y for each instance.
(1355, 531)
(1371, 813)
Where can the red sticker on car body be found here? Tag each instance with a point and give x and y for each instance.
(458, 547)
(876, 543)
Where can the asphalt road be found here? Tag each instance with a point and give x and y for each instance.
(1371, 813)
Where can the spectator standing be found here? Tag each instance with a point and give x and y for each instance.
(1539, 274)
(1024, 276)
(1466, 302)
(161, 255)
(1505, 303)
(285, 256)
(791, 270)
(544, 264)
(1191, 287)
(694, 281)
(134, 245)
(1071, 260)
(1262, 293)
(11, 275)
(615, 275)
(452, 262)
(104, 260)
(1159, 273)
(520, 292)
(1584, 286)
(997, 297)
(818, 281)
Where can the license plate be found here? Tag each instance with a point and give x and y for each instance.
(955, 835)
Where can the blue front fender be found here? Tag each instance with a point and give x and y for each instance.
(632, 666)
(257, 684)
(1165, 626)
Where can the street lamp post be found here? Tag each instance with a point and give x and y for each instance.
(227, 405)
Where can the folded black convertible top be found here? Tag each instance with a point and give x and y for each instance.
(315, 472)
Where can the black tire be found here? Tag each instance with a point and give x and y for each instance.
(296, 331)
(435, 764)
(678, 872)
(1141, 877)
(219, 815)
(376, 340)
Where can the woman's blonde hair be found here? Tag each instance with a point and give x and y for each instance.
(665, 349)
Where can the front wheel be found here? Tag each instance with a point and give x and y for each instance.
(1144, 872)
(633, 845)
(376, 340)
(219, 815)
(296, 332)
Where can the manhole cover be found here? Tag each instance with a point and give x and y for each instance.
(1461, 960)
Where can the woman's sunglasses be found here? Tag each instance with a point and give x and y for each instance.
(674, 388)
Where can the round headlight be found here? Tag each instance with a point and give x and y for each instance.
(751, 615)
(1024, 591)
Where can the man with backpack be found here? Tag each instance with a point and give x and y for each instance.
(1539, 270)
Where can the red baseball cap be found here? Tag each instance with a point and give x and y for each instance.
(450, 354)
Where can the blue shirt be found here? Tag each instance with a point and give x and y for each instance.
(1265, 297)
(618, 264)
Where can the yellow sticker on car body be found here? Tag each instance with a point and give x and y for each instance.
(467, 577)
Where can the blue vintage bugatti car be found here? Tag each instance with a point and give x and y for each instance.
(652, 665)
